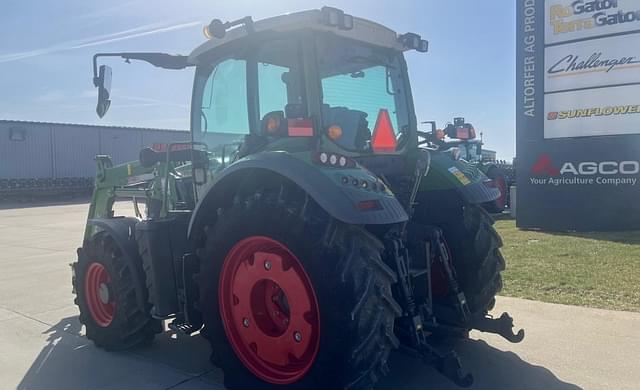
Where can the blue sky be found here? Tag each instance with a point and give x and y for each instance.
(46, 49)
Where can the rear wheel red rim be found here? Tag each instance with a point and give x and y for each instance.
(502, 186)
(269, 310)
(99, 295)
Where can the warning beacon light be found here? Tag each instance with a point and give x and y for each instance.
(460, 130)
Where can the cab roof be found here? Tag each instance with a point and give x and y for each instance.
(363, 30)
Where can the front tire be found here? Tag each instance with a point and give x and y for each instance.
(108, 286)
(344, 290)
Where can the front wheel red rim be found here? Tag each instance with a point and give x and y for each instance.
(269, 310)
(99, 295)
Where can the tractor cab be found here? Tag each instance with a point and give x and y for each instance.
(311, 80)
(321, 79)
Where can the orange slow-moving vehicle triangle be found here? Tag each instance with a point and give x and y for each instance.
(383, 139)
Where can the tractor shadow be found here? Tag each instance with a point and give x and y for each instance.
(629, 237)
(69, 361)
(28, 202)
(491, 368)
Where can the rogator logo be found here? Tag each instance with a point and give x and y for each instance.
(628, 109)
(614, 173)
(589, 14)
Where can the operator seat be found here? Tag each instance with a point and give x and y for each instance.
(354, 124)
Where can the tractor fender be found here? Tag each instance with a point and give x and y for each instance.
(478, 193)
(122, 230)
(449, 175)
(338, 199)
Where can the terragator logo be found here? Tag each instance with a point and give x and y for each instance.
(597, 13)
(584, 173)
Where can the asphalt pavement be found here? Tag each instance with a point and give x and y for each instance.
(42, 344)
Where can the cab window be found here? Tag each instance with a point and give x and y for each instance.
(224, 99)
(280, 86)
(359, 82)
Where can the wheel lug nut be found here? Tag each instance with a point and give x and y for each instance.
(267, 265)
(297, 336)
(245, 322)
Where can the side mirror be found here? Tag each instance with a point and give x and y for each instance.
(432, 136)
(432, 124)
(103, 83)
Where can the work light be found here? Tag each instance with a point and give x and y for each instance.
(336, 18)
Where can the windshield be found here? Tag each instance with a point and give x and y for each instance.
(358, 83)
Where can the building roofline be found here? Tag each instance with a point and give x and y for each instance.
(25, 122)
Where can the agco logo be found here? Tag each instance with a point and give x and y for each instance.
(544, 166)
(585, 172)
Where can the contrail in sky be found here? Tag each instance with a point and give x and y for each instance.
(137, 32)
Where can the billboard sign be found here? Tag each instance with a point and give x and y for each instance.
(582, 19)
(578, 114)
(592, 112)
(593, 63)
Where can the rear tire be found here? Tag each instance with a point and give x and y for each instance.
(108, 285)
(475, 248)
(344, 266)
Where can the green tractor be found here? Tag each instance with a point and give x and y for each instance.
(459, 138)
(308, 229)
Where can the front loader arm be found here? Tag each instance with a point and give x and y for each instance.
(118, 181)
